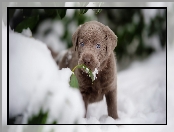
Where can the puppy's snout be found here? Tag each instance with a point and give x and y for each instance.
(87, 60)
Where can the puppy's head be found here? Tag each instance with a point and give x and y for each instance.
(94, 43)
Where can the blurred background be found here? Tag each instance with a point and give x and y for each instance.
(140, 32)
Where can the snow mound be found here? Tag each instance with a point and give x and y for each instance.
(35, 83)
(27, 32)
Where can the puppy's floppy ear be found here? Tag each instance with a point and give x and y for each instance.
(111, 35)
(75, 38)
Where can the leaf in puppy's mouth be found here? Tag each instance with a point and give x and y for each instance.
(73, 79)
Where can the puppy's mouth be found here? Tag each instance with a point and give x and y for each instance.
(90, 67)
(90, 62)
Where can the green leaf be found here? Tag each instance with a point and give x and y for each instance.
(83, 11)
(29, 22)
(73, 81)
(61, 13)
(83, 4)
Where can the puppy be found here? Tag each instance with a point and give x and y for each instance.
(93, 45)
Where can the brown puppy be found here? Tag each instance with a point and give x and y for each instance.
(93, 45)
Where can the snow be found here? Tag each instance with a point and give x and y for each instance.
(36, 83)
(94, 73)
(87, 70)
(72, 26)
(27, 32)
(141, 94)
(52, 39)
(69, 12)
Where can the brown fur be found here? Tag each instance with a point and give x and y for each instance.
(103, 58)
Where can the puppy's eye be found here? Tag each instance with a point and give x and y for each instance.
(97, 45)
(82, 44)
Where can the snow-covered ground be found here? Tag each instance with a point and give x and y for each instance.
(141, 94)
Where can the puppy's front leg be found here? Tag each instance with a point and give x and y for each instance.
(112, 104)
(85, 100)
(86, 107)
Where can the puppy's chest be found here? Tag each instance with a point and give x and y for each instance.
(98, 86)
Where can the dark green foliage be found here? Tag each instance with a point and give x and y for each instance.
(38, 119)
(50, 12)
(61, 13)
(29, 22)
(27, 12)
(31, 17)
(11, 13)
(54, 122)
(158, 26)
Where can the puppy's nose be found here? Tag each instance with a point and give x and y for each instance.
(86, 60)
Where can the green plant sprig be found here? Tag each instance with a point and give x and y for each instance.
(73, 79)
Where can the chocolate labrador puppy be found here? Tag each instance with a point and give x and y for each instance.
(93, 45)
